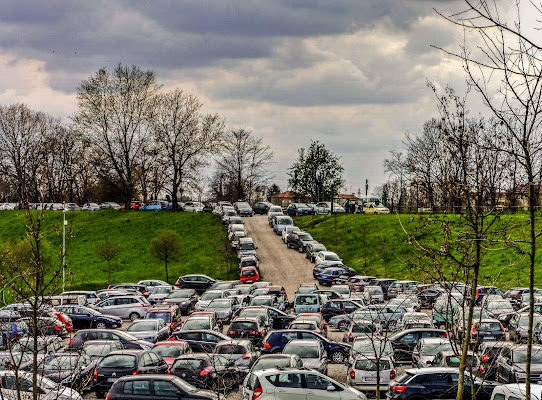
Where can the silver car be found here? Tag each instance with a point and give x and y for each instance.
(363, 372)
(209, 296)
(160, 293)
(224, 308)
(426, 350)
(311, 351)
(127, 307)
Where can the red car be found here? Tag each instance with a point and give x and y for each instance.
(169, 313)
(249, 275)
(67, 321)
(169, 350)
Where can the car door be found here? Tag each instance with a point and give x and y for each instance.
(137, 389)
(83, 319)
(108, 307)
(317, 387)
(403, 346)
(288, 386)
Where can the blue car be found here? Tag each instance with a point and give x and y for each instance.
(86, 318)
(281, 222)
(328, 276)
(275, 341)
(298, 209)
(155, 205)
(13, 330)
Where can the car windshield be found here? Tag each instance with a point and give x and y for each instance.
(303, 325)
(248, 272)
(332, 257)
(488, 326)
(374, 290)
(243, 205)
(524, 319)
(230, 349)
(275, 209)
(341, 289)
(197, 323)
(259, 301)
(499, 305)
(141, 326)
(302, 351)
(161, 290)
(62, 363)
(254, 313)
(168, 350)
(118, 361)
(247, 246)
(166, 316)
(306, 300)
(520, 356)
(453, 361)
(27, 347)
(306, 289)
(238, 228)
(220, 303)
(305, 236)
(211, 296)
(360, 327)
(365, 364)
(180, 294)
(318, 247)
(432, 349)
(284, 221)
(243, 326)
(271, 362)
(98, 350)
(371, 346)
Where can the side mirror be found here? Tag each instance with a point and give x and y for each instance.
(330, 388)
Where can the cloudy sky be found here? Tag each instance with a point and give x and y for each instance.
(352, 74)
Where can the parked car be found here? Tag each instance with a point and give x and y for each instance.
(311, 351)
(184, 299)
(46, 326)
(98, 349)
(282, 222)
(327, 258)
(488, 329)
(126, 307)
(426, 349)
(401, 287)
(121, 363)
(312, 249)
(298, 209)
(128, 341)
(326, 208)
(91, 207)
(309, 302)
(193, 206)
(252, 329)
(198, 322)
(261, 207)
(278, 360)
(306, 383)
(224, 308)
(367, 347)
(373, 208)
(511, 363)
(363, 373)
(19, 385)
(246, 248)
(200, 340)
(110, 204)
(159, 293)
(518, 326)
(241, 352)
(286, 231)
(86, 317)
(489, 352)
(243, 209)
(169, 350)
(404, 342)
(200, 283)
(299, 241)
(151, 330)
(412, 320)
(249, 275)
(450, 359)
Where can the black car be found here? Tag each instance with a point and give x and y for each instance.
(252, 329)
(427, 297)
(404, 342)
(514, 296)
(339, 307)
(126, 362)
(195, 281)
(482, 291)
(201, 340)
(489, 352)
(436, 383)
(511, 364)
(86, 318)
(207, 371)
(127, 340)
(273, 317)
(156, 387)
(298, 240)
(73, 370)
(261, 207)
(186, 299)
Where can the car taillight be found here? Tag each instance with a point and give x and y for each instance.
(57, 328)
(446, 335)
(503, 332)
(108, 396)
(399, 389)
(136, 372)
(204, 372)
(109, 287)
(321, 309)
(172, 338)
(477, 293)
(231, 332)
(267, 345)
(352, 374)
(392, 374)
(473, 330)
(257, 393)
(254, 332)
(71, 341)
(484, 358)
(351, 336)
(168, 371)
(246, 356)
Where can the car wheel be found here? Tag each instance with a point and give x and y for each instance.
(133, 316)
(337, 356)
(100, 325)
(288, 245)
(343, 325)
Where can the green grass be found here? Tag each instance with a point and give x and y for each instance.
(378, 245)
(202, 235)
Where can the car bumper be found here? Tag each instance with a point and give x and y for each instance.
(369, 387)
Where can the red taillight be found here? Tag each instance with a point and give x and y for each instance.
(108, 396)
(481, 370)
(351, 336)
(257, 393)
(446, 335)
(109, 287)
(246, 356)
(136, 372)
(477, 293)
(352, 374)
(95, 374)
(399, 389)
(204, 372)
(484, 358)
(473, 330)
(266, 345)
(168, 372)
(392, 374)
(172, 338)
(254, 332)
(231, 332)
(57, 328)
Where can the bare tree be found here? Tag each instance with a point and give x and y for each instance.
(116, 111)
(185, 137)
(243, 163)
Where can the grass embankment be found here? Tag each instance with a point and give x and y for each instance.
(202, 235)
(378, 245)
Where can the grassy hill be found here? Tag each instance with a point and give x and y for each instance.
(203, 244)
(378, 245)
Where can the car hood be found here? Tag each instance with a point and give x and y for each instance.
(312, 363)
(144, 334)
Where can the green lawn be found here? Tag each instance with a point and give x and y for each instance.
(203, 244)
(378, 245)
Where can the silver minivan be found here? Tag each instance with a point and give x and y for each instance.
(127, 307)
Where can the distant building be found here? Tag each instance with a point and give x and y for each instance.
(341, 199)
(284, 199)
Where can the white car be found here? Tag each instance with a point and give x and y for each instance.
(327, 258)
(372, 208)
(91, 207)
(362, 373)
(193, 206)
(110, 204)
(324, 207)
(287, 383)
(47, 389)
(289, 229)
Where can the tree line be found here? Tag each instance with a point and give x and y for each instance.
(128, 140)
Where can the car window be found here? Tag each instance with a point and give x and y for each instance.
(156, 361)
(499, 396)
(318, 382)
(408, 338)
(137, 387)
(146, 361)
(286, 380)
(209, 337)
(165, 388)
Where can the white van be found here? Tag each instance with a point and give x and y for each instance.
(516, 391)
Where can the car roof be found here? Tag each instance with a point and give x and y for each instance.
(305, 342)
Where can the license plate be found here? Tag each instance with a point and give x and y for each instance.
(368, 379)
(112, 379)
(489, 337)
